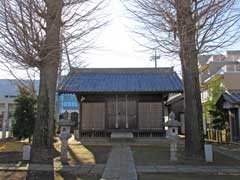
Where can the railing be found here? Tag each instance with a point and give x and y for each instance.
(93, 133)
(136, 133)
(149, 133)
(219, 136)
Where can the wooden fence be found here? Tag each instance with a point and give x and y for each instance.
(219, 136)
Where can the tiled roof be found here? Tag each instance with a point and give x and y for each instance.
(175, 98)
(232, 97)
(107, 80)
(8, 87)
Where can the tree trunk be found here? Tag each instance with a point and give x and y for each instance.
(189, 60)
(44, 127)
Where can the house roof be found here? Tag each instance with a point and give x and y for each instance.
(107, 80)
(9, 87)
(175, 98)
(232, 97)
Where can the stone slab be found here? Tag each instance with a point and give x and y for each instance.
(120, 164)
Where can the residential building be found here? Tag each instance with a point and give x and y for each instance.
(67, 102)
(9, 91)
(223, 67)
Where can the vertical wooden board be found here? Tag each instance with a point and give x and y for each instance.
(143, 116)
(93, 116)
(132, 114)
(150, 115)
(156, 115)
(111, 113)
(122, 114)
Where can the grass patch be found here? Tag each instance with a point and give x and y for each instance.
(69, 176)
(151, 154)
(86, 154)
(187, 176)
(11, 150)
(43, 175)
(11, 146)
(13, 175)
(222, 159)
(159, 154)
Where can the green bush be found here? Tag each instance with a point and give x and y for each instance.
(24, 116)
(213, 114)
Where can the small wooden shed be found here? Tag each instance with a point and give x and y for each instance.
(121, 99)
(230, 101)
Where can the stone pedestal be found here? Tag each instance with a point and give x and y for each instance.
(208, 152)
(64, 149)
(76, 134)
(65, 126)
(26, 152)
(173, 151)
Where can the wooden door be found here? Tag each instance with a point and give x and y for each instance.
(111, 114)
(121, 113)
(132, 114)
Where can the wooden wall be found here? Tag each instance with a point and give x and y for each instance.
(150, 115)
(93, 116)
(144, 111)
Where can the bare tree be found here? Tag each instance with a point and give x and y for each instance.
(31, 34)
(188, 28)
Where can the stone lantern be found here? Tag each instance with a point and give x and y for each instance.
(172, 135)
(172, 124)
(65, 127)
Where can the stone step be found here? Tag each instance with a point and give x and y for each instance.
(121, 136)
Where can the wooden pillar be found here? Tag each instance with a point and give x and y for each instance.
(80, 115)
(230, 125)
(78, 125)
(238, 123)
(137, 112)
(116, 122)
(106, 114)
(126, 105)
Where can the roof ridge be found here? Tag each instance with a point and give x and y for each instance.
(124, 70)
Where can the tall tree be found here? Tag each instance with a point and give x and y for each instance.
(188, 28)
(31, 34)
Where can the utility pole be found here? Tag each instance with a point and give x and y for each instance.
(155, 58)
